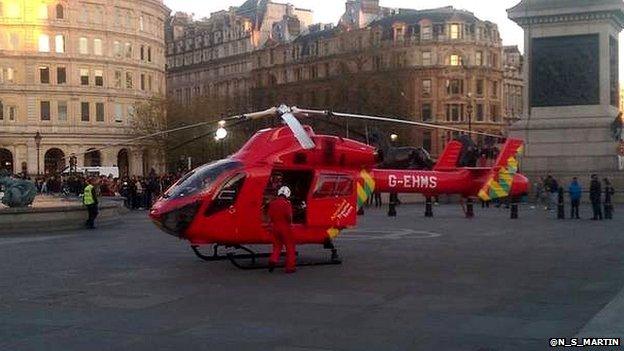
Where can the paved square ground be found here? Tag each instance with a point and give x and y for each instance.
(407, 283)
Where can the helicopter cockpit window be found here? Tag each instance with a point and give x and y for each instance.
(227, 195)
(201, 178)
(330, 185)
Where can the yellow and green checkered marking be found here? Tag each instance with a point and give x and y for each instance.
(496, 189)
(365, 188)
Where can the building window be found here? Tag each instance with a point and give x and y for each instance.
(479, 58)
(494, 89)
(480, 87)
(99, 112)
(455, 31)
(44, 75)
(118, 113)
(426, 87)
(45, 110)
(425, 33)
(427, 141)
(62, 110)
(44, 43)
(129, 77)
(149, 83)
(84, 111)
(479, 113)
(97, 47)
(149, 54)
(99, 77)
(142, 81)
(117, 49)
(454, 113)
(59, 44)
(426, 112)
(128, 50)
(84, 76)
(12, 113)
(83, 46)
(1, 105)
(43, 11)
(455, 86)
(426, 58)
(455, 60)
(494, 113)
(377, 63)
(494, 60)
(60, 11)
(142, 52)
(7, 75)
(118, 79)
(61, 75)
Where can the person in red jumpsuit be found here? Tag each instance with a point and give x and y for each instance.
(280, 216)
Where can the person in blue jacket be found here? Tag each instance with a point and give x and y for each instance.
(576, 192)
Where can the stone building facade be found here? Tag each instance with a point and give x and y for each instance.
(212, 57)
(433, 64)
(73, 71)
(513, 84)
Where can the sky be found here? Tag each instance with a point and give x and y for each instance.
(329, 11)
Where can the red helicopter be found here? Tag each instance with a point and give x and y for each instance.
(222, 204)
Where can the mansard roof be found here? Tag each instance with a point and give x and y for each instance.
(443, 14)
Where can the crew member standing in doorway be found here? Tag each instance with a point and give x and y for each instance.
(280, 216)
(89, 198)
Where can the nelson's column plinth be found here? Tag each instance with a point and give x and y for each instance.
(571, 99)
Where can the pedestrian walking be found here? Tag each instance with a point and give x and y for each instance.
(90, 200)
(576, 191)
(609, 191)
(551, 186)
(595, 195)
(280, 218)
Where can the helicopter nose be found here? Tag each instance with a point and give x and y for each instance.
(176, 220)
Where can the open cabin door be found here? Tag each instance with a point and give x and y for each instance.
(332, 202)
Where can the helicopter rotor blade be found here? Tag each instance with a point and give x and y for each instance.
(295, 126)
(308, 113)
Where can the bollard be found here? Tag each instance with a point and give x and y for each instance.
(428, 207)
(560, 206)
(360, 211)
(469, 208)
(514, 208)
(392, 208)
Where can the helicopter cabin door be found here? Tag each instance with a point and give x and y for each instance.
(332, 202)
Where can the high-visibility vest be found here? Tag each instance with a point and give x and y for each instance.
(87, 198)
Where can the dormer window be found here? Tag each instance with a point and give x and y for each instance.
(455, 31)
(426, 33)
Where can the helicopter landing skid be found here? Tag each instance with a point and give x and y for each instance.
(251, 255)
(235, 260)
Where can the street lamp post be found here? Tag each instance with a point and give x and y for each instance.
(38, 138)
(470, 109)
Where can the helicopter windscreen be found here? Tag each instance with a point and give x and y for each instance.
(201, 178)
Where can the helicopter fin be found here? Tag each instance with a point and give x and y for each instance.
(500, 180)
(365, 188)
(449, 157)
(298, 130)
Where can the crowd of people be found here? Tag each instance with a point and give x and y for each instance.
(549, 193)
(139, 192)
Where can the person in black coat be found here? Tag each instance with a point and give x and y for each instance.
(608, 204)
(595, 195)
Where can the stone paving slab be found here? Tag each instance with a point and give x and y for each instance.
(407, 283)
